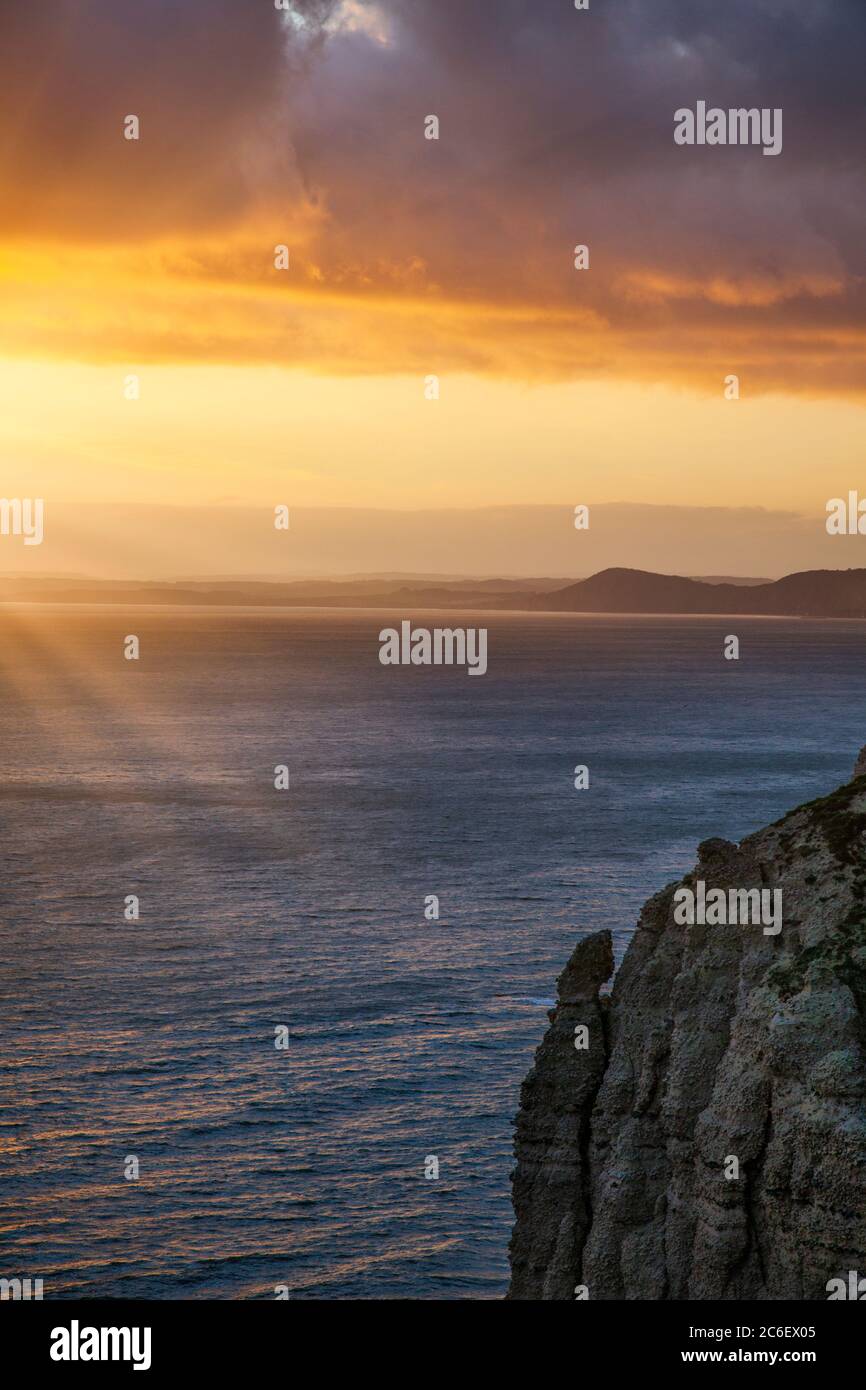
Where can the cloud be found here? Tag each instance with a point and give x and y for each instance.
(132, 541)
(306, 126)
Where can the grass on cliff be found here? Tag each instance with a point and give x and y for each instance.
(844, 951)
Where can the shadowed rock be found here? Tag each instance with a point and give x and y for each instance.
(551, 1182)
(711, 1141)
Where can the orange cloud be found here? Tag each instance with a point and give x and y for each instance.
(305, 127)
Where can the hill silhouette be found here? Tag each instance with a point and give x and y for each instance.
(812, 593)
(809, 594)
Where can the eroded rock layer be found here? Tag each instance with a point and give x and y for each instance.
(709, 1140)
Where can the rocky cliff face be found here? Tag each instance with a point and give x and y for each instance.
(705, 1136)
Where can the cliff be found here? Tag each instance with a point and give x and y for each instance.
(706, 1137)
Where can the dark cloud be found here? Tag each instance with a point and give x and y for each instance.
(556, 128)
(207, 78)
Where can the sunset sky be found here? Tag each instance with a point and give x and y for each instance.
(411, 257)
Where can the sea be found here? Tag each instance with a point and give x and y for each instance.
(247, 1090)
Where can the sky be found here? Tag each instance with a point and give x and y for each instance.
(152, 355)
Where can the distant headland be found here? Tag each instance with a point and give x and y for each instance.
(808, 594)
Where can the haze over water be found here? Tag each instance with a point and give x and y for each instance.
(306, 908)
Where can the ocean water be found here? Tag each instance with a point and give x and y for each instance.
(409, 1038)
